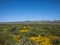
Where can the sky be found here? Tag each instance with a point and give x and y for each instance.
(29, 10)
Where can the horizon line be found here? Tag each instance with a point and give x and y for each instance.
(30, 20)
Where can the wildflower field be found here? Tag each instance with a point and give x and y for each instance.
(29, 34)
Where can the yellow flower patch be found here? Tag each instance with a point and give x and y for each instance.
(41, 40)
(24, 27)
(5, 29)
(18, 41)
(17, 38)
(24, 30)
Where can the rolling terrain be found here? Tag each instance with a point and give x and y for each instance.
(30, 33)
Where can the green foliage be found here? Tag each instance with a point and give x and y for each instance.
(6, 37)
(55, 41)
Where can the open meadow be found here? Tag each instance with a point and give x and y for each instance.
(29, 34)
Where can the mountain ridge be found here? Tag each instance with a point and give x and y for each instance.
(32, 22)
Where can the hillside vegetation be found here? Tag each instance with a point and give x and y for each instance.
(29, 34)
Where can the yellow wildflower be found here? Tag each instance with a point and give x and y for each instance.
(5, 29)
(18, 41)
(41, 40)
(24, 30)
(17, 38)
(25, 27)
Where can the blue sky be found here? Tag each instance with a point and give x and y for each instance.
(24, 10)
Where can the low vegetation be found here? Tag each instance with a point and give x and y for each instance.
(29, 34)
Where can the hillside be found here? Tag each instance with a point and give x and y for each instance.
(33, 22)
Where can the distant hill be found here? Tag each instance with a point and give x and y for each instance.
(33, 22)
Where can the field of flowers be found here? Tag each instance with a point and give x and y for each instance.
(29, 34)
